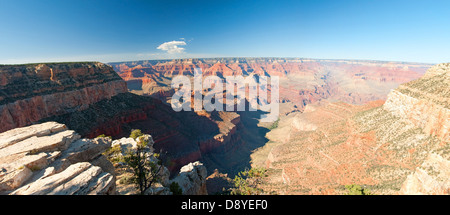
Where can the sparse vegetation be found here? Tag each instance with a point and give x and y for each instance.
(103, 135)
(175, 188)
(145, 170)
(246, 182)
(274, 124)
(136, 133)
(114, 154)
(354, 189)
(126, 179)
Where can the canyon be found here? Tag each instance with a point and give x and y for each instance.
(90, 98)
(302, 82)
(341, 121)
(397, 146)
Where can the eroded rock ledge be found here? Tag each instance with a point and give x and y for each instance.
(48, 158)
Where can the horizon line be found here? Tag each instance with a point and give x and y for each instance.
(299, 58)
(204, 58)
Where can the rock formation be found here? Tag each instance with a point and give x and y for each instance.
(223, 140)
(191, 177)
(48, 158)
(399, 147)
(302, 81)
(218, 183)
(29, 93)
(431, 178)
(425, 102)
(92, 99)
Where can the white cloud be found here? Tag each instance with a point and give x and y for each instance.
(172, 47)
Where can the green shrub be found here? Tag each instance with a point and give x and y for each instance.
(246, 182)
(274, 124)
(354, 189)
(126, 180)
(136, 133)
(145, 172)
(114, 154)
(175, 188)
(103, 135)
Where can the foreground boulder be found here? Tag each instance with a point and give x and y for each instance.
(48, 158)
(192, 179)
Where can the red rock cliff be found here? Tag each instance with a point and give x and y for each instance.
(29, 93)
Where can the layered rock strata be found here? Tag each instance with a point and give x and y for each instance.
(302, 81)
(48, 158)
(401, 147)
(425, 102)
(31, 92)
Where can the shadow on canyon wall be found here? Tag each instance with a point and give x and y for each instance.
(235, 156)
(182, 137)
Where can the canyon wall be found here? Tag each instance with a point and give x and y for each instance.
(182, 137)
(425, 102)
(399, 147)
(92, 99)
(302, 81)
(29, 93)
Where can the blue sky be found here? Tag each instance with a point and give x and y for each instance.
(110, 30)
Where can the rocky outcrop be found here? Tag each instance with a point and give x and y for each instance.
(192, 179)
(431, 178)
(78, 179)
(432, 118)
(48, 158)
(226, 139)
(29, 93)
(425, 102)
(218, 183)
